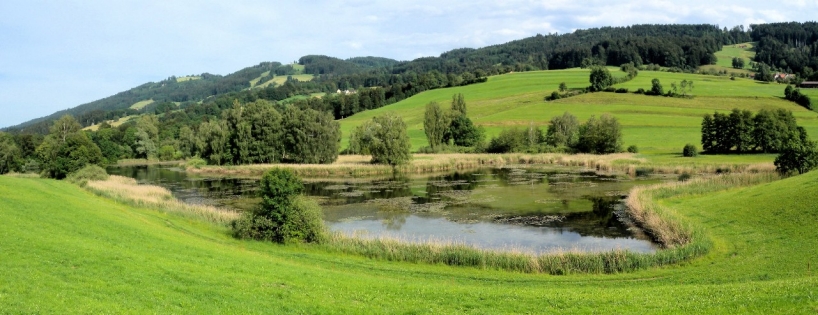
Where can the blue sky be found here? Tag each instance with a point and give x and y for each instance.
(59, 54)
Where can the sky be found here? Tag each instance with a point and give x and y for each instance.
(56, 55)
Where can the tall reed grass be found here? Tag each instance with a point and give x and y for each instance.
(359, 166)
(126, 190)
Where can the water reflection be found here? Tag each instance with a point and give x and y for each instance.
(536, 210)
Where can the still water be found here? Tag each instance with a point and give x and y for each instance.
(514, 208)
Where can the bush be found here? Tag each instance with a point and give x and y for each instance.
(283, 216)
(89, 172)
(684, 177)
(633, 149)
(690, 150)
(195, 162)
(610, 89)
(643, 172)
(640, 91)
(622, 90)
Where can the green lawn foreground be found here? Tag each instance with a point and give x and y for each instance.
(65, 250)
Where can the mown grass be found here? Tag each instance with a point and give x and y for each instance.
(141, 104)
(113, 123)
(68, 251)
(657, 125)
(280, 79)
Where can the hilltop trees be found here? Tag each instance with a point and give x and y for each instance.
(67, 149)
(384, 137)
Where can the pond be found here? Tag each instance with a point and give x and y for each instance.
(536, 210)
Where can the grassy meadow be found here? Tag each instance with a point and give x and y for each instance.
(66, 250)
(659, 126)
(141, 104)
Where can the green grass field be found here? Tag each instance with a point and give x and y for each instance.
(113, 123)
(280, 79)
(68, 251)
(188, 78)
(253, 82)
(726, 55)
(657, 125)
(141, 104)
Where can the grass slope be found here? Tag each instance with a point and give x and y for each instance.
(658, 125)
(66, 250)
(141, 104)
(726, 55)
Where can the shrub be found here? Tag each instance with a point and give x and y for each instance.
(89, 172)
(633, 149)
(690, 150)
(610, 89)
(684, 177)
(600, 136)
(622, 90)
(640, 91)
(196, 162)
(283, 216)
(643, 172)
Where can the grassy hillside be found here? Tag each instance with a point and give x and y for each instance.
(726, 55)
(65, 249)
(658, 125)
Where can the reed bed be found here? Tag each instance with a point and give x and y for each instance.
(359, 166)
(556, 263)
(142, 162)
(126, 190)
(663, 223)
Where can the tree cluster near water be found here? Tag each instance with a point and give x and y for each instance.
(452, 127)
(740, 131)
(601, 135)
(384, 137)
(258, 133)
(283, 216)
(67, 149)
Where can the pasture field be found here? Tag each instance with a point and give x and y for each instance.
(141, 104)
(659, 126)
(66, 250)
(726, 55)
(188, 78)
(280, 79)
(113, 123)
(253, 82)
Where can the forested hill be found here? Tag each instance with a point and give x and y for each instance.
(788, 47)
